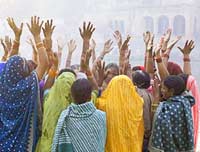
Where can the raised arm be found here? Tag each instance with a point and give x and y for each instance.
(71, 48)
(17, 31)
(52, 71)
(35, 28)
(149, 65)
(34, 54)
(7, 44)
(162, 69)
(189, 46)
(86, 34)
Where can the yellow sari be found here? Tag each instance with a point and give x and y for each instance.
(124, 112)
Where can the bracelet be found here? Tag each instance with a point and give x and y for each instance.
(186, 59)
(39, 45)
(52, 73)
(158, 60)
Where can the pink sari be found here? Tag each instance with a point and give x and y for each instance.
(193, 88)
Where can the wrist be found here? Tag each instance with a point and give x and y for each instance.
(186, 56)
(17, 38)
(37, 39)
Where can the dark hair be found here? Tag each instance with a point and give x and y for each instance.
(141, 79)
(112, 65)
(173, 68)
(185, 78)
(176, 83)
(81, 91)
(66, 70)
(75, 67)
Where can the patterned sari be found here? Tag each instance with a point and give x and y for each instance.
(173, 126)
(19, 98)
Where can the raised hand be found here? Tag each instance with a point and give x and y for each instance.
(16, 30)
(149, 39)
(173, 42)
(146, 37)
(86, 60)
(118, 37)
(189, 46)
(8, 42)
(4, 47)
(71, 46)
(48, 29)
(124, 46)
(167, 35)
(86, 31)
(107, 47)
(35, 27)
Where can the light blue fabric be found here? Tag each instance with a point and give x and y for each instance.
(80, 128)
(18, 107)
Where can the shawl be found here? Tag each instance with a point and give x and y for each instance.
(19, 97)
(124, 112)
(80, 128)
(172, 127)
(193, 88)
(56, 101)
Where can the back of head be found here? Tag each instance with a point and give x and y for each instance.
(81, 91)
(135, 68)
(174, 69)
(114, 66)
(176, 83)
(141, 79)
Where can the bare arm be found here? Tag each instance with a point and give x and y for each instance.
(71, 48)
(17, 31)
(86, 33)
(35, 29)
(189, 46)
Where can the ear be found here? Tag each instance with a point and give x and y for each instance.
(171, 91)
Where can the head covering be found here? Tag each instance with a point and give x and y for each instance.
(18, 107)
(80, 128)
(193, 87)
(173, 68)
(124, 112)
(139, 67)
(2, 65)
(57, 100)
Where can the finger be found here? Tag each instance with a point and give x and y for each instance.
(53, 28)
(21, 26)
(89, 26)
(32, 18)
(51, 23)
(41, 24)
(84, 28)
(28, 26)
(80, 31)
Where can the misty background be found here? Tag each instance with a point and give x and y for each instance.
(131, 17)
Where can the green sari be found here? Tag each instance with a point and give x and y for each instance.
(55, 102)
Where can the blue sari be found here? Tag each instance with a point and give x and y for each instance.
(173, 126)
(18, 107)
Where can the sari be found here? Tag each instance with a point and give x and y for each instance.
(58, 99)
(172, 127)
(193, 88)
(80, 128)
(19, 98)
(124, 114)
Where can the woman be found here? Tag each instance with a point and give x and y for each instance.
(124, 111)
(81, 127)
(172, 127)
(19, 98)
(142, 80)
(55, 102)
(18, 106)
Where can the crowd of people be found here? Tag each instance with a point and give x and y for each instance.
(93, 106)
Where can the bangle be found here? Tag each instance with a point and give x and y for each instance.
(52, 73)
(186, 59)
(39, 45)
(158, 60)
